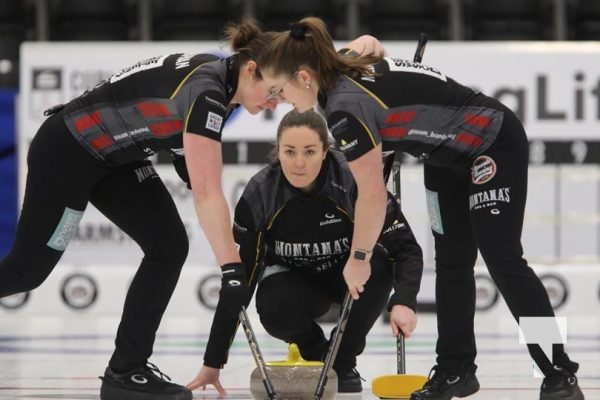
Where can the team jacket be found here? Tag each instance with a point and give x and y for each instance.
(145, 108)
(278, 225)
(412, 108)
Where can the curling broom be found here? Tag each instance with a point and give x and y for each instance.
(334, 345)
(398, 386)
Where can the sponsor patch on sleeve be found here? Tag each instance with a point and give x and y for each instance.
(483, 170)
(352, 136)
(214, 122)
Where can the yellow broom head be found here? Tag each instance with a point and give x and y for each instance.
(398, 386)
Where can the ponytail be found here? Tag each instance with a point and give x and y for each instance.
(309, 44)
(247, 39)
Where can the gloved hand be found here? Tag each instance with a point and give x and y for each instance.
(181, 169)
(234, 288)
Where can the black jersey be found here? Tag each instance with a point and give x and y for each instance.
(145, 108)
(413, 108)
(277, 224)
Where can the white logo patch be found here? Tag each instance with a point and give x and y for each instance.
(214, 122)
(489, 198)
(395, 226)
(347, 146)
(141, 379)
(330, 220)
(150, 63)
(397, 64)
(453, 380)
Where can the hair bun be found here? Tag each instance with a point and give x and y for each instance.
(297, 31)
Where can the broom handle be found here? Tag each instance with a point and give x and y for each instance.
(418, 57)
(334, 345)
(256, 353)
(422, 41)
(400, 354)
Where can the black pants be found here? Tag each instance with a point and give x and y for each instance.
(289, 302)
(487, 215)
(62, 177)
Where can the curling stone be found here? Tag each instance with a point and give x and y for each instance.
(293, 378)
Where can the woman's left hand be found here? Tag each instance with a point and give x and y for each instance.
(206, 376)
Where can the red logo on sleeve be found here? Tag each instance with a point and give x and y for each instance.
(150, 109)
(87, 121)
(401, 117)
(102, 142)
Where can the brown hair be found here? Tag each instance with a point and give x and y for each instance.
(309, 44)
(310, 119)
(247, 39)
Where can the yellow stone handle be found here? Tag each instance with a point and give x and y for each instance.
(294, 359)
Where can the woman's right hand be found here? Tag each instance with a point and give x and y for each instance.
(367, 45)
(402, 318)
(207, 376)
(356, 274)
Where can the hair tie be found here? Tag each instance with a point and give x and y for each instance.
(297, 31)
